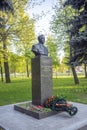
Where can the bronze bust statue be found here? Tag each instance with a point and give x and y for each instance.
(39, 49)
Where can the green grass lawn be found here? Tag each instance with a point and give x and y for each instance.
(66, 88)
(19, 90)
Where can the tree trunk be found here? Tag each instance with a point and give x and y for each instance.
(2, 79)
(7, 75)
(6, 66)
(85, 70)
(76, 80)
(27, 69)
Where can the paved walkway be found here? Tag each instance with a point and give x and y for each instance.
(14, 120)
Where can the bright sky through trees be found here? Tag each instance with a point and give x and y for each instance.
(43, 14)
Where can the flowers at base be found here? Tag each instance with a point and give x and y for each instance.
(50, 101)
(38, 108)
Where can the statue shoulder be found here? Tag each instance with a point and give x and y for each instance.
(35, 45)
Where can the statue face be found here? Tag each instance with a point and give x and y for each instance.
(41, 39)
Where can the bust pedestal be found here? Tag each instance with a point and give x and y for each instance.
(41, 79)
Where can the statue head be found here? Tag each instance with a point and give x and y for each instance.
(38, 49)
(41, 39)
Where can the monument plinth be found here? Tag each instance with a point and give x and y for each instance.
(41, 79)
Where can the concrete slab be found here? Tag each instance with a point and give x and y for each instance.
(14, 120)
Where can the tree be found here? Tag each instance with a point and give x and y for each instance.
(25, 36)
(15, 30)
(78, 32)
(1, 70)
(5, 5)
(60, 28)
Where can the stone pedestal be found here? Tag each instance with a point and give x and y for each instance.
(41, 88)
(41, 79)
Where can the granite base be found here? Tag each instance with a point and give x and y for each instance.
(24, 108)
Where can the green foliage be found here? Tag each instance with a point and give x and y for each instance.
(25, 35)
(75, 4)
(52, 47)
(6, 33)
(18, 32)
(53, 51)
(17, 64)
(59, 26)
(6, 5)
(78, 31)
